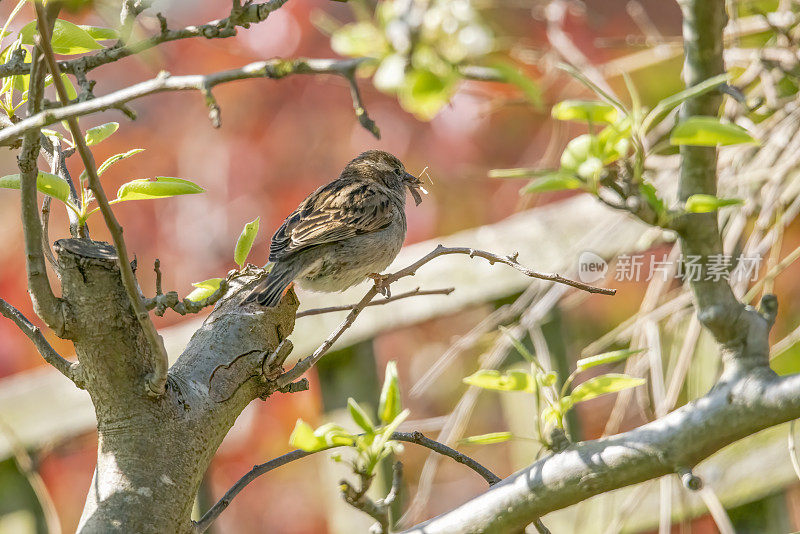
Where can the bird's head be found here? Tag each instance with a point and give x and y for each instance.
(387, 169)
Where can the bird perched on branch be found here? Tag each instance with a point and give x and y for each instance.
(343, 232)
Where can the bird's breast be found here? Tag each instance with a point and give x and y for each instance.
(337, 266)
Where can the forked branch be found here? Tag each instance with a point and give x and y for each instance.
(157, 379)
(71, 370)
(164, 82)
(383, 284)
(416, 438)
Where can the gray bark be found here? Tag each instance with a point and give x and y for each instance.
(153, 452)
(749, 396)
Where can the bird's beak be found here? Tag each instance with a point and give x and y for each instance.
(414, 187)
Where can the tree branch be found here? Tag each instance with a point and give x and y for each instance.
(511, 261)
(252, 14)
(416, 438)
(273, 69)
(668, 445)
(161, 302)
(717, 307)
(385, 281)
(358, 104)
(358, 499)
(45, 303)
(71, 370)
(156, 381)
(413, 293)
(748, 398)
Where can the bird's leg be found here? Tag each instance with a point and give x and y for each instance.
(384, 287)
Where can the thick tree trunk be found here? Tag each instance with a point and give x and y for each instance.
(153, 452)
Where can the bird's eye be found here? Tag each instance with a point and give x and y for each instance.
(398, 172)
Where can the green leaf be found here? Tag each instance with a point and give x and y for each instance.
(390, 428)
(709, 131)
(668, 104)
(159, 187)
(579, 150)
(606, 357)
(515, 380)
(556, 181)
(648, 191)
(359, 415)
(67, 39)
(204, 289)
(245, 241)
(424, 93)
(485, 439)
(591, 168)
(303, 438)
(100, 133)
(603, 384)
(72, 94)
(554, 414)
(333, 435)
(46, 183)
(53, 133)
(115, 158)
(546, 379)
(390, 403)
(591, 111)
(581, 77)
(512, 74)
(359, 39)
(701, 203)
(100, 34)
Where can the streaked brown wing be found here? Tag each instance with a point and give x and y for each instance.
(332, 213)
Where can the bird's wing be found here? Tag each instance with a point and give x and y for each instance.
(334, 212)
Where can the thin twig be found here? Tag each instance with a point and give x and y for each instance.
(511, 261)
(46, 305)
(358, 499)
(416, 438)
(419, 438)
(306, 363)
(163, 301)
(358, 105)
(216, 29)
(48, 253)
(71, 370)
(397, 484)
(413, 293)
(540, 528)
(157, 379)
(164, 82)
(157, 269)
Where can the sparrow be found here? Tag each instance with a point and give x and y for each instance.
(344, 232)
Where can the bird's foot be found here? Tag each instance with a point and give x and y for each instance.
(382, 284)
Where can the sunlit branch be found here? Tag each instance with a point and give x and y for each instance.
(416, 438)
(157, 379)
(164, 82)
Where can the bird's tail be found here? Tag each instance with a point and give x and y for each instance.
(270, 290)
